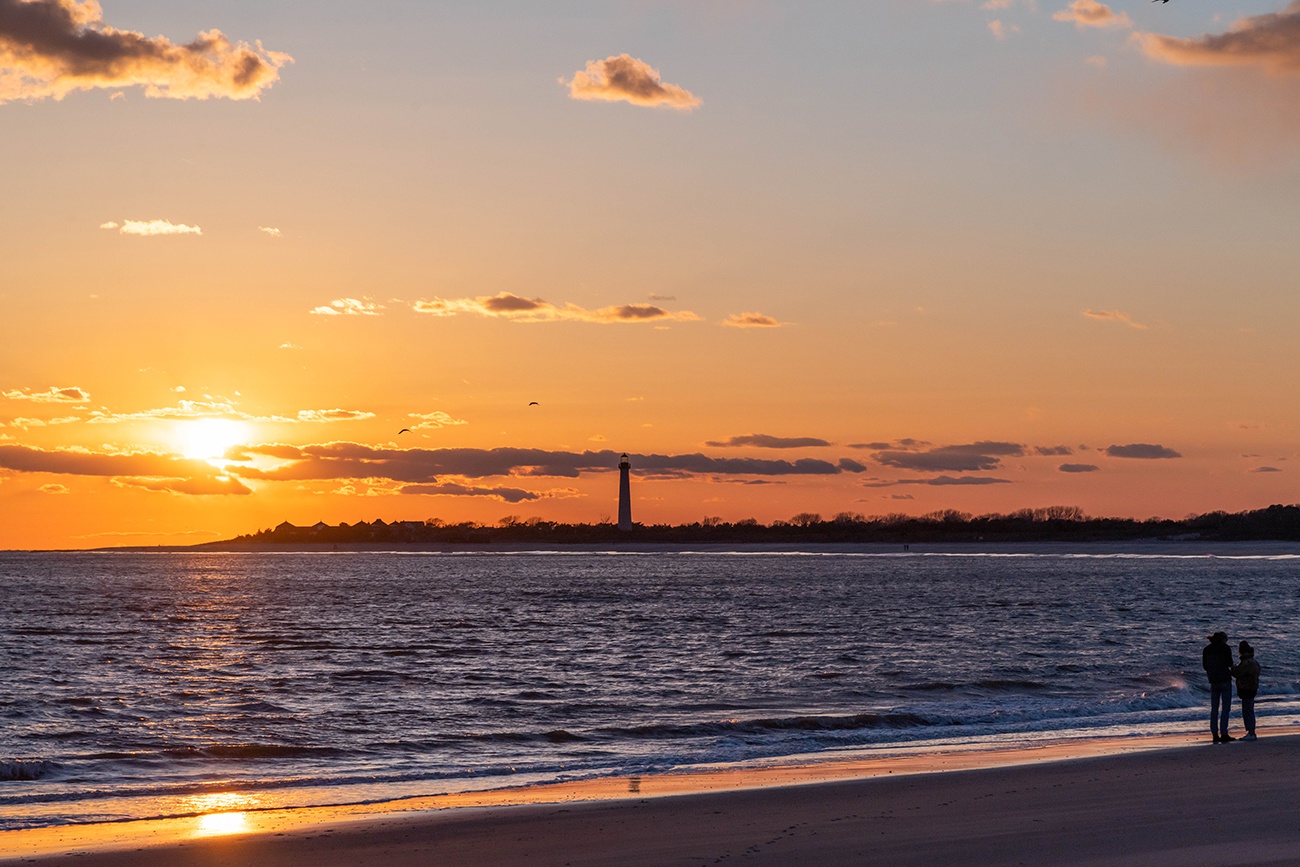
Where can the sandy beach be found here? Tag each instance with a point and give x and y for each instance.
(1171, 800)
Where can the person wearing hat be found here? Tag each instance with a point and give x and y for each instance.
(1247, 674)
(1216, 659)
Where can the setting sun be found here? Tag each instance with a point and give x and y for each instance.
(207, 439)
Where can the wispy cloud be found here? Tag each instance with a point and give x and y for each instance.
(349, 307)
(519, 309)
(939, 482)
(50, 48)
(55, 394)
(271, 230)
(358, 461)
(751, 320)
(146, 228)
(1090, 13)
(1114, 316)
(1270, 42)
(316, 416)
(435, 419)
(452, 489)
(765, 441)
(623, 78)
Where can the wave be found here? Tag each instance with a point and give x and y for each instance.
(26, 769)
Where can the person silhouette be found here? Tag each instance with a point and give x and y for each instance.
(1216, 659)
(1247, 674)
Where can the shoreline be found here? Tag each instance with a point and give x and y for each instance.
(299, 831)
(1150, 547)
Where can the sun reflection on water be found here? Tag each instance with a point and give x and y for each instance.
(221, 813)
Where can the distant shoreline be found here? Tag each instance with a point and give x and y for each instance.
(1136, 547)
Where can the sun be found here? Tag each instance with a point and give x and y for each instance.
(207, 439)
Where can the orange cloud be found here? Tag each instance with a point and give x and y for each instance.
(751, 320)
(1090, 13)
(348, 307)
(1114, 316)
(1269, 42)
(623, 78)
(518, 309)
(50, 48)
(56, 394)
(150, 227)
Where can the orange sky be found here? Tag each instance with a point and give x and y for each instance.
(790, 257)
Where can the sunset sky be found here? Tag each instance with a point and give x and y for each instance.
(876, 257)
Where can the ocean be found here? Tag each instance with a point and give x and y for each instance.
(144, 685)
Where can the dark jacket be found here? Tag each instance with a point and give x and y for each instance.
(1247, 674)
(1216, 659)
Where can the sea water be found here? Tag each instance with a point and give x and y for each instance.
(158, 684)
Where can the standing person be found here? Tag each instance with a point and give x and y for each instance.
(1247, 674)
(1216, 659)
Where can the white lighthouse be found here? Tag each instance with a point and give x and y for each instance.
(624, 495)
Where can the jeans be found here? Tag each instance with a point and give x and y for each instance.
(1220, 704)
(1247, 709)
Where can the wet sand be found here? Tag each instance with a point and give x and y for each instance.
(1169, 800)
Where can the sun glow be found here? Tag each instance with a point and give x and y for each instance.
(208, 439)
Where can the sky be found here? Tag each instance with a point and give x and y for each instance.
(896, 256)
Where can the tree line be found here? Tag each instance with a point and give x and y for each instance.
(1053, 523)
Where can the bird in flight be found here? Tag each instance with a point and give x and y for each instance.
(403, 430)
(533, 403)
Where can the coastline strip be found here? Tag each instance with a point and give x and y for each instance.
(1147, 800)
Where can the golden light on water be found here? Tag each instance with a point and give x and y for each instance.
(227, 814)
(217, 824)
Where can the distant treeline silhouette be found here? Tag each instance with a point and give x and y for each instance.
(1054, 523)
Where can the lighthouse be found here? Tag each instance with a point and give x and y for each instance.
(624, 496)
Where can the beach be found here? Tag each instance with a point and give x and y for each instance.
(1171, 800)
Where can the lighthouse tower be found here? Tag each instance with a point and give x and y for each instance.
(624, 496)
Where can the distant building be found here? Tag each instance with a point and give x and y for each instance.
(624, 495)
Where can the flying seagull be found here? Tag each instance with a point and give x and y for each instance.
(403, 430)
(533, 403)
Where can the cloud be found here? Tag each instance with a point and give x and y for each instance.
(54, 488)
(270, 230)
(344, 460)
(752, 320)
(1268, 42)
(54, 394)
(1053, 450)
(971, 457)
(1266, 470)
(1001, 30)
(939, 481)
(150, 470)
(435, 419)
(851, 466)
(1090, 13)
(519, 309)
(184, 409)
(50, 48)
(764, 441)
(1114, 316)
(26, 423)
(1141, 451)
(349, 307)
(1079, 468)
(328, 415)
(623, 78)
(449, 489)
(146, 228)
